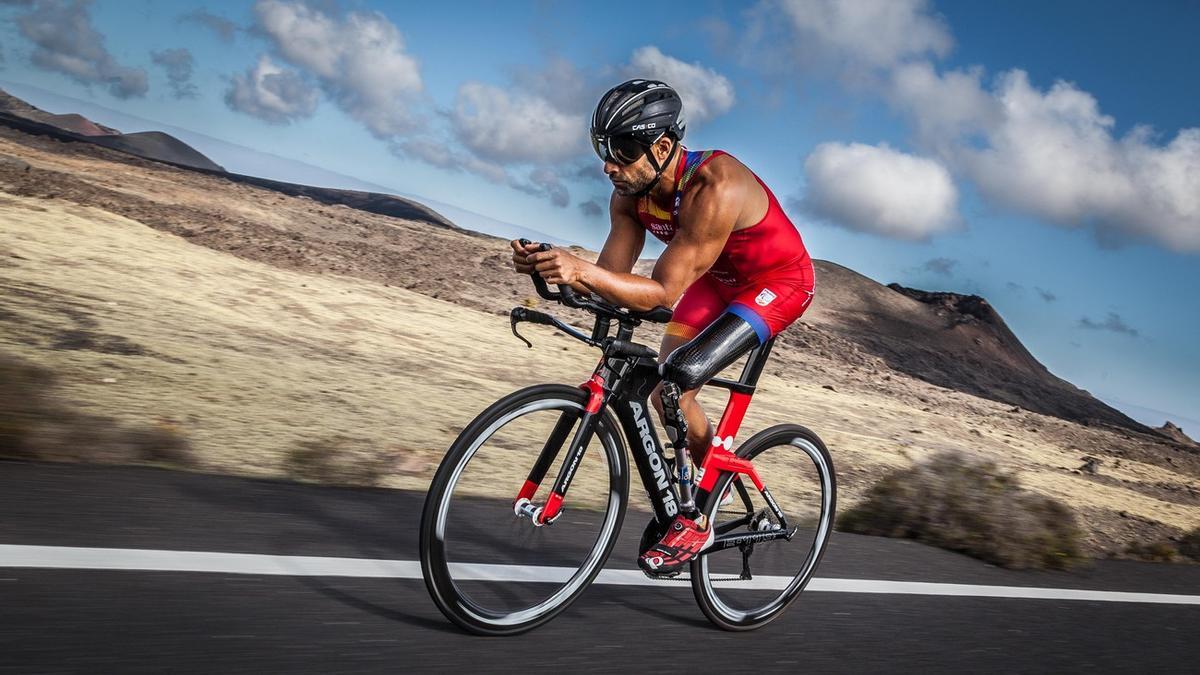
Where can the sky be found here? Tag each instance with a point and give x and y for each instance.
(1043, 155)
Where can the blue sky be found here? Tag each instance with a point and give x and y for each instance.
(1038, 154)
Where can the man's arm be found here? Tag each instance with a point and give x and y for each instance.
(626, 237)
(712, 210)
(620, 252)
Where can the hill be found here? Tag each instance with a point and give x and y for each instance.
(954, 341)
(162, 147)
(157, 146)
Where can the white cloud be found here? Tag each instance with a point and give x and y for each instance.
(442, 156)
(178, 64)
(271, 93)
(543, 119)
(544, 182)
(560, 83)
(222, 27)
(872, 33)
(1052, 154)
(945, 109)
(705, 92)
(591, 208)
(66, 42)
(1049, 153)
(515, 128)
(531, 135)
(359, 61)
(880, 191)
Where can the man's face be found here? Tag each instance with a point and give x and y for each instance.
(630, 179)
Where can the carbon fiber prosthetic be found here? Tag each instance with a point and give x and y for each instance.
(695, 362)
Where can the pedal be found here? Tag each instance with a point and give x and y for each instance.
(665, 576)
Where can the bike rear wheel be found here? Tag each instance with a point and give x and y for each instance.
(492, 571)
(797, 470)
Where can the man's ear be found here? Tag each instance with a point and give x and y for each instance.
(662, 148)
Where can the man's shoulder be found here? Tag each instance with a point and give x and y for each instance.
(722, 172)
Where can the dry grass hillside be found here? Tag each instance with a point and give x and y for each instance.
(257, 324)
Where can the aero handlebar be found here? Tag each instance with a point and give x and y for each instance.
(567, 296)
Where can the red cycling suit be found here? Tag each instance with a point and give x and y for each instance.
(763, 275)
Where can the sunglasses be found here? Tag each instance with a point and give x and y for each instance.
(623, 150)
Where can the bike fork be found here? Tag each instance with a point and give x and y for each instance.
(545, 514)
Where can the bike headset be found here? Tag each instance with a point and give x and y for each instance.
(631, 117)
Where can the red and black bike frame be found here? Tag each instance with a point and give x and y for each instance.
(622, 382)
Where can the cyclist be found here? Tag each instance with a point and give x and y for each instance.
(732, 254)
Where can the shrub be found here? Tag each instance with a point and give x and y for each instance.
(36, 425)
(1156, 551)
(340, 460)
(1189, 545)
(24, 406)
(972, 507)
(162, 443)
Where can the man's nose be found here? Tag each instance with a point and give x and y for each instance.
(611, 167)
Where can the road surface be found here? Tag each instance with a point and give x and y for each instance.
(325, 583)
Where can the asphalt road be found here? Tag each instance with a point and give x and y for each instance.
(86, 620)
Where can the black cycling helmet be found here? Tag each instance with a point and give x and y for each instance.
(631, 117)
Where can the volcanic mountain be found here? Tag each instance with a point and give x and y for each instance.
(162, 147)
(951, 340)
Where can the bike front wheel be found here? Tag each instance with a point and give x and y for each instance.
(742, 588)
(490, 569)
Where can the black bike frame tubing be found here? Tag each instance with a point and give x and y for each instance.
(648, 456)
(637, 377)
(578, 446)
(553, 445)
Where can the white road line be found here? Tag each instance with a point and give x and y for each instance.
(66, 557)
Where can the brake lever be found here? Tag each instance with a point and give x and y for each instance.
(515, 317)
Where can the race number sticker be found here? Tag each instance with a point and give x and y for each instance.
(764, 298)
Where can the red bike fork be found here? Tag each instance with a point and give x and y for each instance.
(542, 515)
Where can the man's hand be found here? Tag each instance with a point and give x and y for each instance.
(557, 266)
(521, 256)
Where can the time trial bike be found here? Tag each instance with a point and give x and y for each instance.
(503, 550)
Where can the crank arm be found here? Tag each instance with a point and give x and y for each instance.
(733, 541)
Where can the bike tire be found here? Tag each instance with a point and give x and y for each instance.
(456, 604)
(715, 607)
